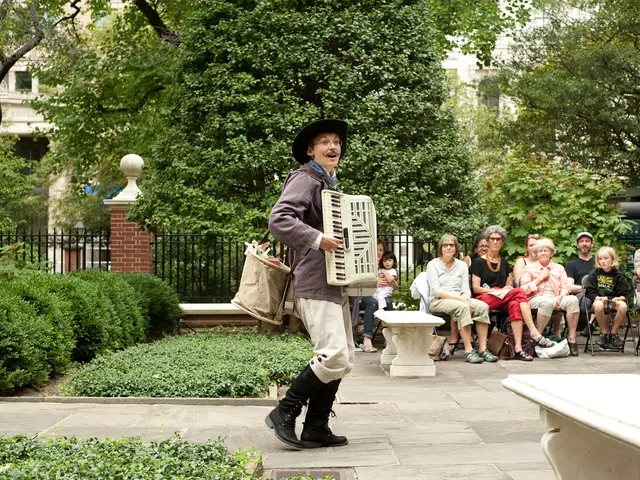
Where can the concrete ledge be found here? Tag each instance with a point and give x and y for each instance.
(237, 402)
(210, 309)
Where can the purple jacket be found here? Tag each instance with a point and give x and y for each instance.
(296, 220)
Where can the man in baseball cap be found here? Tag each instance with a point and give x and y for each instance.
(579, 267)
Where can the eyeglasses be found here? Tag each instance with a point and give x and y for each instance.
(448, 245)
(495, 239)
(325, 142)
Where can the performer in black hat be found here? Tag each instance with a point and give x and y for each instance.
(296, 220)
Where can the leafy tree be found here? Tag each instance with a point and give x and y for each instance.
(113, 80)
(539, 195)
(19, 200)
(251, 74)
(575, 83)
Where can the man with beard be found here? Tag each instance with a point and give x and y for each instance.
(580, 267)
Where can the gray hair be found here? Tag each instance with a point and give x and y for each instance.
(495, 229)
(545, 242)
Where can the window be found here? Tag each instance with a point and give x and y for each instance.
(24, 82)
(4, 85)
(489, 93)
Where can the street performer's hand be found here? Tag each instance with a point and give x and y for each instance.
(329, 243)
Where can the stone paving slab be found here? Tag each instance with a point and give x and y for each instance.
(459, 424)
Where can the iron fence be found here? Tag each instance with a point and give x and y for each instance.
(59, 251)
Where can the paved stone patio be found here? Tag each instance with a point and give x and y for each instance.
(460, 424)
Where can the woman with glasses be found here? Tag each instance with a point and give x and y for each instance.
(480, 247)
(491, 281)
(449, 293)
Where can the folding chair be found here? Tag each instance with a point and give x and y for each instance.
(636, 346)
(498, 319)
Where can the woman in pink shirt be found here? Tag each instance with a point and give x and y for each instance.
(545, 283)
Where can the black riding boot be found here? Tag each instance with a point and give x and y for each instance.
(282, 419)
(316, 432)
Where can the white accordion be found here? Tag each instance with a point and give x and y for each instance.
(352, 220)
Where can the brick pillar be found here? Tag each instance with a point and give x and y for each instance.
(130, 247)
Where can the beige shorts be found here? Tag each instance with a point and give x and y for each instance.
(544, 305)
(462, 312)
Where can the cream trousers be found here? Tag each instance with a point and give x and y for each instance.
(329, 326)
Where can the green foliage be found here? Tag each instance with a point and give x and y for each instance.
(126, 457)
(19, 202)
(575, 85)
(47, 320)
(201, 365)
(14, 263)
(539, 195)
(158, 302)
(128, 321)
(23, 361)
(249, 76)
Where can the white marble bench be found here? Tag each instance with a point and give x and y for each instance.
(408, 336)
(593, 423)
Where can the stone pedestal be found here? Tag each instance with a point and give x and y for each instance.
(408, 336)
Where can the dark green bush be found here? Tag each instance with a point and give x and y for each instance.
(23, 361)
(158, 301)
(126, 457)
(201, 365)
(55, 311)
(128, 321)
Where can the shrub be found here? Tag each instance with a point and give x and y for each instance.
(126, 457)
(201, 365)
(158, 301)
(23, 361)
(54, 311)
(128, 325)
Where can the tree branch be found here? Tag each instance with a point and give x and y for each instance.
(72, 17)
(153, 17)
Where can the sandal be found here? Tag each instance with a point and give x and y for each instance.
(369, 349)
(543, 342)
(522, 355)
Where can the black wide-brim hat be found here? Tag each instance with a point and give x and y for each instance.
(311, 131)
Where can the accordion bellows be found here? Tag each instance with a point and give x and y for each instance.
(351, 219)
(262, 287)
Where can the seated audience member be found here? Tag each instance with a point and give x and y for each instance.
(449, 293)
(545, 282)
(636, 268)
(491, 282)
(370, 305)
(606, 290)
(578, 268)
(480, 247)
(387, 269)
(529, 257)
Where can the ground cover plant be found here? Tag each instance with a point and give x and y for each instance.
(199, 365)
(125, 458)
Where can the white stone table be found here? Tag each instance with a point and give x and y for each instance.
(408, 336)
(593, 423)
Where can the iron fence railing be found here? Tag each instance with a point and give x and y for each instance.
(60, 251)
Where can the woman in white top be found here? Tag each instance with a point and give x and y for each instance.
(449, 293)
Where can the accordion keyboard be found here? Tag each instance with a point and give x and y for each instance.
(352, 220)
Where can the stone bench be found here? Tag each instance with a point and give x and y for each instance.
(593, 423)
(408, 335)
(207, 315)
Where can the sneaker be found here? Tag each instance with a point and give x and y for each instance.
(573, 349)
(602, 341)
(487, 356)
(585, 332)
(473, 357)
(615, 341)
(544, 342)
(523, 356)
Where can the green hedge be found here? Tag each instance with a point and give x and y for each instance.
(200, 365)
(47, 321)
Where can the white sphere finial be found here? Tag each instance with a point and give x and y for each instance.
(131, 166)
